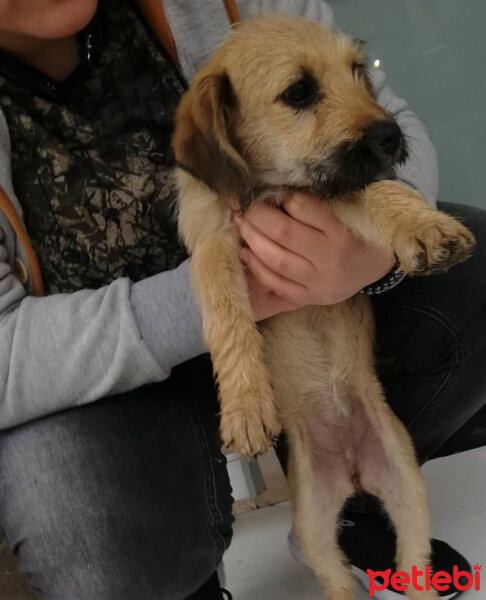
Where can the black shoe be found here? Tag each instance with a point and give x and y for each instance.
(369, 542)
(211, 590)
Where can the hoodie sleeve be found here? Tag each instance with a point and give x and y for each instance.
(65, 350)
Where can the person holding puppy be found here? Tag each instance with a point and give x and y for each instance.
(113, 484)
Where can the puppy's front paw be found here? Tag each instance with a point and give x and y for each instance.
(436, 244)
(249, 430)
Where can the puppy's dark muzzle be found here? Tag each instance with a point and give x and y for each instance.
(354, 165)
(385, 140)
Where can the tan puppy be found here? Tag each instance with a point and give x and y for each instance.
(287, 102)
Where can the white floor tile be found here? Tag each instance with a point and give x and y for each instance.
(259, 566)
(457, 497)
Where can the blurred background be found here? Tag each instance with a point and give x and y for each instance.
(434, 55)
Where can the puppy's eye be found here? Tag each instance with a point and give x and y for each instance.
(358, 69)
(302, 93)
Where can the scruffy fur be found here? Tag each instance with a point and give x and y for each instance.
(311, 370)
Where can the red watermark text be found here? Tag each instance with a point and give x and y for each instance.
(418, 580)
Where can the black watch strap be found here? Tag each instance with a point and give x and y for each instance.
(386, 283)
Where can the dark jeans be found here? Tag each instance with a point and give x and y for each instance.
(124, 499)
(431, 345)
(128, 498)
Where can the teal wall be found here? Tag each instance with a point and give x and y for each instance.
(434, 55)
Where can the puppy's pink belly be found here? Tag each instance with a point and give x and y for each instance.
(346, 447)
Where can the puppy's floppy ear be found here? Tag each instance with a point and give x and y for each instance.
(202, 140)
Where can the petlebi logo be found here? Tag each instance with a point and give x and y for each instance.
(440, 580)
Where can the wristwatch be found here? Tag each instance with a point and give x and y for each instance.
(386, 283)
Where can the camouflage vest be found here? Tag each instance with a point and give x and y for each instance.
(94, 173)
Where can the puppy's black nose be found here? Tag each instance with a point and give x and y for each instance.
(385, 137)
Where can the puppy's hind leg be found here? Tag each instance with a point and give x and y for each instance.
(404, 497)
(400, 485)
(319, 492)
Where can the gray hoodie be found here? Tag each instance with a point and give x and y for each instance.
(66, 350)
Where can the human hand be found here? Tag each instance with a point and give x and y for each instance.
(304, 256)
(264, 302)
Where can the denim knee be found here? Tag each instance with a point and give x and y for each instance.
(115, 561)
(431, 335)
(99, 504)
